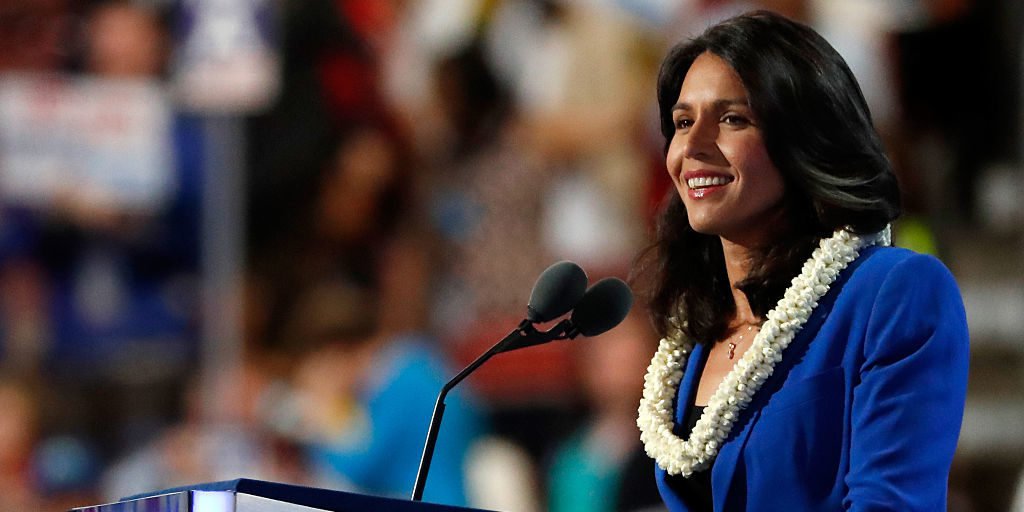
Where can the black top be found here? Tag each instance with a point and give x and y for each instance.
(694, 490)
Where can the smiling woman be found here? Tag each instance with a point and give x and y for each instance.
(717, 157)
(802, 362)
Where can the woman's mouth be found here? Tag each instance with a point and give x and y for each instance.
(706, 181)
(700, 186)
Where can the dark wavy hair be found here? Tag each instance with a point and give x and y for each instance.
(818, 132)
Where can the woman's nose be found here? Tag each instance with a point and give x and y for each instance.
(700, 140)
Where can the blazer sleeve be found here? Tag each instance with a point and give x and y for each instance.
(908, 404)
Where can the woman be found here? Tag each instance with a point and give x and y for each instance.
(804, 365)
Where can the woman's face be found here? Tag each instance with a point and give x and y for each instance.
(717, 157)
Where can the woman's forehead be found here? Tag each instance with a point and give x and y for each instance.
(711, 80)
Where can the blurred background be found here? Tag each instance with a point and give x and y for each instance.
(253, 238)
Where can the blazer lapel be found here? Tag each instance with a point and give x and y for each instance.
(729, 458)
(684, 402)
(688, 386)
(724, 469)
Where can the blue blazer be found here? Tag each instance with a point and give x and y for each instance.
(864, 411)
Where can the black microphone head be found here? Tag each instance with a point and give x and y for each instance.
(558, 289)
(602, 307)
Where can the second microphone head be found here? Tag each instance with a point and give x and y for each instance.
(556, 292)
(604, 306)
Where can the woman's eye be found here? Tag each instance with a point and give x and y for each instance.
(735, 120)
(683, 123)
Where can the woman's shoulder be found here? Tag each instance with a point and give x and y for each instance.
(891, 278)
(878, 266)
(901, 285)
(907, 302)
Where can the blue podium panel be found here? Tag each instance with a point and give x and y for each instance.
(246, 495)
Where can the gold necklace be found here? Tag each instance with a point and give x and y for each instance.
(734, 344)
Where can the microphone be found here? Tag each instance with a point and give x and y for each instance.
(558, 289)
(561, 288)
(601, 308)
(604, 306)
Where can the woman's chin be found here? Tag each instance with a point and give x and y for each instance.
(705, 227)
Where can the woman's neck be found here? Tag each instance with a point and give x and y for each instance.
(738, 260)
(739, 249)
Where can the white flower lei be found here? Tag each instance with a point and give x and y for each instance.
(684, 457)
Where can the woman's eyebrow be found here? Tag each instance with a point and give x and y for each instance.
(719, 104)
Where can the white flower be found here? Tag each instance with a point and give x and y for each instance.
(655, 419)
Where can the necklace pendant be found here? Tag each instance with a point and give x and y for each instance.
(732, 350)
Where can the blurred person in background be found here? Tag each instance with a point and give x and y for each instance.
(33, 38)
(767, 275)
(230, 439)
(354, 312)
(123, 257)
(602, 467)
(329, 85)
(360, 207)
(98, 266)
(364, 395)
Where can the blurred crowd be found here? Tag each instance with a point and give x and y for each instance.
(420, 163)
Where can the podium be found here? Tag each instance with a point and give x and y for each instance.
(245, 495)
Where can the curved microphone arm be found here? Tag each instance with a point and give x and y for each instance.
(525, 335)
(559, 289)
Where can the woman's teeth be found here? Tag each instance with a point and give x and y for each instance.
(707, 182)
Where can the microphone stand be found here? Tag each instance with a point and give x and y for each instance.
(525, 335)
